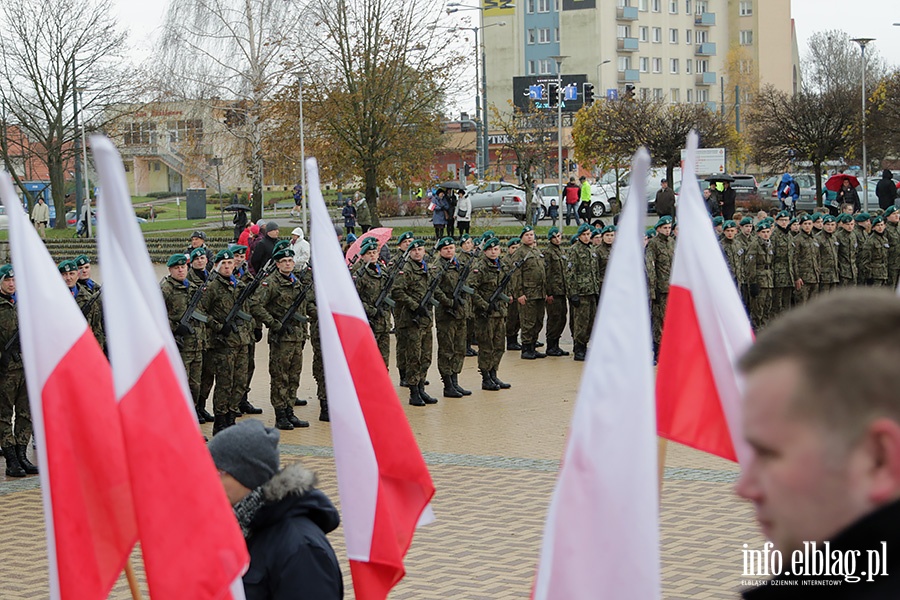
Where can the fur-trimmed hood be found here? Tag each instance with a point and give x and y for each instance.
(292, 493)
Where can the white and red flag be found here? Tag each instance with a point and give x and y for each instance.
(384, 485)
(190, 540)
(706, 329)
(85, 486)
(601, 539)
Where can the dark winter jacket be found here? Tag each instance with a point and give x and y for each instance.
(262, 252)
(849, 197)
(290, 556)
(665, 202)
(886, 190)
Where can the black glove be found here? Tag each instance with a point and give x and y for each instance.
(228, 328)
(575, 299)
(754, 290)
(421, 311)
(183, 329)
(257, 334)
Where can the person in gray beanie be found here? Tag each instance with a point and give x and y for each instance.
(283, 516)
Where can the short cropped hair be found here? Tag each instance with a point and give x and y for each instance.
(847, 345)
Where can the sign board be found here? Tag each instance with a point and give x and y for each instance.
(524, 90)
(710, 161)
(612, 94)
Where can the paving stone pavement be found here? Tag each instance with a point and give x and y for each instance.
(494, 458)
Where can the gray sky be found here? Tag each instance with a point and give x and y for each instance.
(859, 18)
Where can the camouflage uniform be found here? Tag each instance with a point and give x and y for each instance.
(874, 262)
(555, 267)
(512, 315)
(94, 314)
(603, 252)
(227, 350)
(744, 242)
(892, 232)
(848, 249)
(318, 366)
(860, 236)
(782, 269)
(583, 283)
(370, 280)
(530, 281)
(660, 250)
(449, 319)
(734, 254)
(758, 262)
(489, 327)
(828, 261)
(207, 367)
(243, 274)
(177, 295)
(409, 290)
(13, 392)
(806, 265)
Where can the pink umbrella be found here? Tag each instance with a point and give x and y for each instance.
(382, 234)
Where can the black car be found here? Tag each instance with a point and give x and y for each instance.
(744, 186)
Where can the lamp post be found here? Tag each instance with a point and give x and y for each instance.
(863, 42)
(559, 158)
(217, 162)
(78, 197)
(302, 155)
(600, 77)
(87, 194)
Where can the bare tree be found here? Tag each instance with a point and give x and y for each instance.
(46, 46)
(229, 51)
(833, 63)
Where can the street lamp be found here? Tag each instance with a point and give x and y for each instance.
(559, 158)
(87, 195)
(863, 42)
(302, 155)
(600, 77)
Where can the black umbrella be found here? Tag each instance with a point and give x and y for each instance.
(236, 207)
(722, 177)
(452, 185)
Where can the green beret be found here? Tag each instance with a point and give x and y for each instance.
(582, 228)
(491, 243)
(666, 220)
(197, 252)
(728, 224)
(877, 220)
(417, 244)
(783, 215)
(651, 232)
(238, 248)
(283, 253)
(889, 210)
(369, 244)
(608, 229)
(863, 216)
(223, 255)
(488, 235)
(828, 219)
(176, 259)
(67, 266)
(573, 239)
(746, 221)
(716, 221)
(465, 237)
(82, 260)
(406, 235)
(279, 245)
(6, 271)
(792, 221)
(816, 216)
(769, 220)
(844, 218)
(553, 231)
(803, 218)
(596, 232)
(444, 241)
(764, 224)
(513, 241)
(526, 229)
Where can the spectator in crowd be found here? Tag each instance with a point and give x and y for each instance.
(349, 214)
(363, 215)
(572, 193)
(727, 199)
(263, 250)
(585, 196)
(463, 213)
(40, 216)
(439, 215)
(665, 199)
(300, 247)
(886, 190)
(847, 195)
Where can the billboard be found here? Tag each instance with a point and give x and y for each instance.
(498, 8)
(525, 88)
(710, 161)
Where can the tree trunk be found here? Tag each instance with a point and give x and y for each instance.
(670, 173)
(57, 184)
(371, 192)
(817, 166)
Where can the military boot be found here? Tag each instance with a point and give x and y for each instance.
(528, 352)
(248, 409)
(537, 354)
(580, 351)
(299, 402)
(455, 379)
(425, 397)
(200, 418)
(201, 411)
(220, 422)
(26, 464)
(470, 351)
(539, 344)
(512, 343)
(553, 348)
(323, 411)
(487, 383)
(415, 399)
(450, 390)
(13, 468)
(294, 420)
(495, 379)
(282, 421)
(403, 382)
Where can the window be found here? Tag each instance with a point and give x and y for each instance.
(543, 6)
(675, 95)
(530, 67)
(556, 34)
(532, 36)
(544, 66)
(140, 133)
(623, 31)
(700, 36)
(702, 66)
(688, 36)
(645, 64)
(673, 65)
(657, 65)
(156, 166)
(555, 5)
(702, 6)
(621, 3)
(529, 6)
(690, 96)
(624, 63)
(746, 8)
(688, 66)
(645, 94)
(642, 5)
(657, 35)
(702, 95)
(656, 5)
(687, 7)
(657, 94)
(746, 37)
(746, 66)
(673, 36)
(182, 131)
(544, 36)
(644, 33)
(673, 7)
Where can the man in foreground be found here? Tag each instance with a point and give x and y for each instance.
(822, 418)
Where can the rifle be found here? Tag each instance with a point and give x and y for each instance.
(11, 350)
(428, 298)
(191, 312)
(498, 293)
(383, 297)
(228, 325)
(461, 287)
(86, 308)
(291, 312)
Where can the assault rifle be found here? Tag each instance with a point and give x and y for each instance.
(11, 350)
(428, 298)
(461, 287)
(228, 326)
(384, 296)
(191, 312)
(86, 308)
(291, 312)
(498, 293)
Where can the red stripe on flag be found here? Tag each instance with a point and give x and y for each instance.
(404, 484)
(93, 523)
(688, 408)
(172, 473)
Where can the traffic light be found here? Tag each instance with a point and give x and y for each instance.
(552, 95)
(587, 94)
(629, 92)
(467, 169)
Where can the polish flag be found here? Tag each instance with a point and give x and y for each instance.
(84, 477)
(601, 539)
(191, 543)
(384, 485)
(706, 330)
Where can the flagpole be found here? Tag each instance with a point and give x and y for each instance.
(132, 581)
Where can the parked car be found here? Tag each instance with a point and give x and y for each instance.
(514, 202)
(489, 195)
(71, 220)
(4, 218)
(806, 181)
(745, 187)
(653, 186)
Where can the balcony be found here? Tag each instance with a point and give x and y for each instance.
(706, 19)
(627, 44)
(630, 76)
(710, 106)
(627, 13)
(708, 78)
(705, 49)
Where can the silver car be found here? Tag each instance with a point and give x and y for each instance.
(489, 195)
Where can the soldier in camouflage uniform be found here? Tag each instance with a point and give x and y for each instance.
(659, 253)
(848, 248)
(317, 364)
(530, 291)
(583, 283)
(403, 243)
(512, 317)
(486, 278)
(450, 318)
(177, 293)
(90, 307)
(84, 274)
(806, 260)
(198, 273)
(242, 273)
(828, 257)
(875, 254)
(555, 266)
(758, 262)
(13, 391)
(892, 217)
(861, 232)
(277, 293)
(370, 280)
(745, 237)
(783, 267)
(228, 343)
(733, 251)
(608, 238)
(470, 247)
(414, 320)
